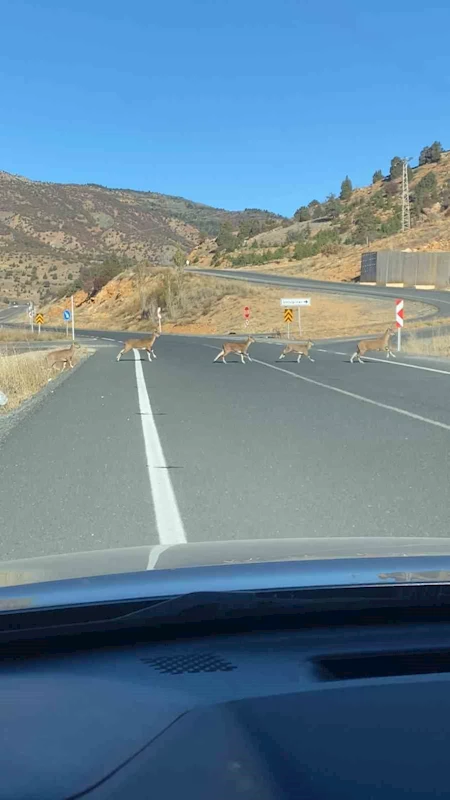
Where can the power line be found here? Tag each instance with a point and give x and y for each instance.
(406, 211)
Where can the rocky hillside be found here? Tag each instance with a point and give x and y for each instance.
(325, 239)
(49, 231)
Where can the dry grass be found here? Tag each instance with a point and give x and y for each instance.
(330, 315)
(20, 335)
(22, 375)
(204, 305)
(435, 345)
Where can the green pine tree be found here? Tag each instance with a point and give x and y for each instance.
(302, 214)
(396, 168)
(332, 206)
(346, 189)
(436, 151)
(431, 155)
(179, 259)
(226, 240)
(377, 176)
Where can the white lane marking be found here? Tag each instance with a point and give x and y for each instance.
(360, 397)
(168, 520)
(392, 363)
(155, 552)
(332, 352)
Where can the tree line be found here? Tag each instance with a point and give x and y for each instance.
(332, 206)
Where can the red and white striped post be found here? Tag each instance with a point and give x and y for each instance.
(246, 315)
(399, 319)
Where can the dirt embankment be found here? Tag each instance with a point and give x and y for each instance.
(194, 304)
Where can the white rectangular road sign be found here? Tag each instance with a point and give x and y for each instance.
(290, 302)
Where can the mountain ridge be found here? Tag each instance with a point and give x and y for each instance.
(49, 231)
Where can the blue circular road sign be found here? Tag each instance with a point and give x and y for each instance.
(66, 315)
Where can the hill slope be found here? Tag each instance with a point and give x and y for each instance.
(48, 230)
(329, 244)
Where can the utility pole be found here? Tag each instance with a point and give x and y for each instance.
(406, 213)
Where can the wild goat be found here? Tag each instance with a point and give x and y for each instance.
(373, 344)
(240, 348)
(301, 349)
(62, 357)
(140, 344)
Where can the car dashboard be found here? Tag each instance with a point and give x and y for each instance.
(354, 711)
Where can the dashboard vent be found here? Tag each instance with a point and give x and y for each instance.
(189, 663)
(383, 665)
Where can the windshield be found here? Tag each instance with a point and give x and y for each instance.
(224, 273)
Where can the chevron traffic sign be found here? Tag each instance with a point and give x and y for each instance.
(399, 319)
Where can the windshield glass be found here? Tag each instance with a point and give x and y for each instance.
(224, 273)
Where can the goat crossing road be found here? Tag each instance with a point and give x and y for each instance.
(366, 449)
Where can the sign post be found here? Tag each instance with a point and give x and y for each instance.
(66, 317)
(158, 313)
(288, 317)
(288, 303)
(31, 316)
(399, 320)
(73, 318)
(246, 316)
(39, 320)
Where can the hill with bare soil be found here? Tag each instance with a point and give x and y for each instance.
(49, 231)
(197, 304)
(326, 240)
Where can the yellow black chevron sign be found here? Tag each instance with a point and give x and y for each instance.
(288, 315)
(39, 319)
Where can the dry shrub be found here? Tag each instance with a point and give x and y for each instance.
(435, 345)
(20, 335)
(21, 376)
(24, 374)
(181, 294)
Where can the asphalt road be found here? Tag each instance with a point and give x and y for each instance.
(11, 312)
(440, 300)
(132, 453)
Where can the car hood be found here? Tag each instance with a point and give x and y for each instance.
(208, 554)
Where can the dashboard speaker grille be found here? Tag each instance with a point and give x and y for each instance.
(190, 663)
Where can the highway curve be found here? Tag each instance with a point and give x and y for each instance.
(440, 300)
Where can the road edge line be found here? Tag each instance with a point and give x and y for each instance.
(360, 397)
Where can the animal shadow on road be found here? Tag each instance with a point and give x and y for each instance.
(227, 364)
(356, 363)
(125, 360)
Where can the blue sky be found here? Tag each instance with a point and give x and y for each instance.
(244, 103)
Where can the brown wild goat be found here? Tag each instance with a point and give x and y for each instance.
(366, 345)
(240, 348)
(62, 357)
(301, 349)
(140, 344)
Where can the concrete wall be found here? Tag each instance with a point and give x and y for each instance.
(408, 269)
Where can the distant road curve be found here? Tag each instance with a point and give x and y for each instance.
(7, 314)
(440, 300)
